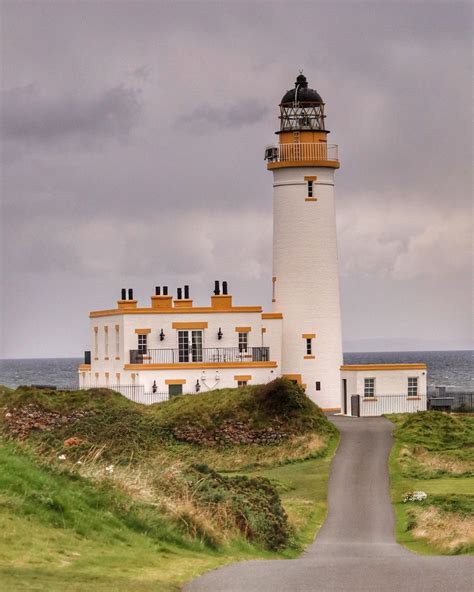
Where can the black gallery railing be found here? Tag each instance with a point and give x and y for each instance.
(200, 355)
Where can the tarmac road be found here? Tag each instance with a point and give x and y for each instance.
(355, 549)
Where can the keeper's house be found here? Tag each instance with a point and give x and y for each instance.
(173, 347)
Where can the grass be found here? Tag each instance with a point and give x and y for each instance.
(76, 527)
(433, 452)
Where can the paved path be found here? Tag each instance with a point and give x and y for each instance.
(355, 549)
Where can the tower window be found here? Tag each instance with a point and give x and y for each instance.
(243, 342)
(413, 386)
(309, 347)
(369, 387)
(318, 386)
(142, 343)
(310, 188)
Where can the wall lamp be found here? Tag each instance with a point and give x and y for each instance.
(198, 386)
(220, 335)
(162, 335)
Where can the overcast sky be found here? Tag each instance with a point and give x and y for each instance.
(132, 145)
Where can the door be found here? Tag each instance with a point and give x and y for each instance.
(175, 389)
(344, 395)
(355, 406)
(190, 346)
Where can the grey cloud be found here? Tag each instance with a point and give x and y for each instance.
(208, 117)
(29, 115)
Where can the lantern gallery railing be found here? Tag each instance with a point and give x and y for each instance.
(301, 151)
(200, 354)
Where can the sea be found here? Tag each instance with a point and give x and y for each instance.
(451, 369)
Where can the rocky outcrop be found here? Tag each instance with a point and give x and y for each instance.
(20, 422)
(230, 432)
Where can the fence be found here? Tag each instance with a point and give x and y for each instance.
(200, 354)
(381, 404)
(458, 401)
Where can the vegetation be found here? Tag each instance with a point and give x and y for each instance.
(100, 493)
(434, 453)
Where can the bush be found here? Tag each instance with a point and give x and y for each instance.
(252, 505)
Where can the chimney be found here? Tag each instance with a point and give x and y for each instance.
(218, 301)
(185, 302)
(127, 304)
(161, 301)
(157, 291)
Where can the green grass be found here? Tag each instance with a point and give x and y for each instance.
(437, 436)
(63, 530)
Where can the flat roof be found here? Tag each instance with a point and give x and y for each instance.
(356, 367)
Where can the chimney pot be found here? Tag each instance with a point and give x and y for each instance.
(130, 294)
(165, 290)
(217, 289)
(186, 292)
(124, 294)
(224, 288)
(180, 293)
(157, 290)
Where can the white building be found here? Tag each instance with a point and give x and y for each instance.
(174, 347)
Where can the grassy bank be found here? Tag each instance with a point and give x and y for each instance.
(434, 454)
(99, 493)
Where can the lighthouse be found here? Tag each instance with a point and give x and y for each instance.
(305, 282)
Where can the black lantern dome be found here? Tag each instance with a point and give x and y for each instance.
(301, 93)
(301, 108)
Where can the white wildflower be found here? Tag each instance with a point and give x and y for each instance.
(79, 462)
(415, 496)
(8, 414)
(62, 457)
(109, 469)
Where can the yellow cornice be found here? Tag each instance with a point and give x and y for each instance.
(272, 315)
(199, 365)
(329, 164)
(195, 310)
(376, 367)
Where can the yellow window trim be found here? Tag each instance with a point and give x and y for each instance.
(243, 329)
(310, 178)
(309, 335)
(296, 377)
(142, 331)
(311, 199)
(175, 381)
(309, 357)
(189, 325)
(243, 377)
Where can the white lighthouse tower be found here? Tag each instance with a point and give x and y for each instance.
(305, 262)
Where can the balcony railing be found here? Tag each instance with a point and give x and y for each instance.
(200, 355)
(301, 151)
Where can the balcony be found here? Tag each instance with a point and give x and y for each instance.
(311, 152)
(205, 355)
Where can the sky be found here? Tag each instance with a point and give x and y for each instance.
(133, 136)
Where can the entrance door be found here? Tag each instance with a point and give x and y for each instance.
(175, 389)
(190, 346)
(344, 395)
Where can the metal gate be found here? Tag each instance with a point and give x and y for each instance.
(355, 405)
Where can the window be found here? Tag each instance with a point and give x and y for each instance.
(243, 342)
(117, 341)
(318, 386)
(309, 346)
(241, 383)
(106, 342)
(310, 188)
(369, 387)
(413, 386)
(96, 342)
(142, 343)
